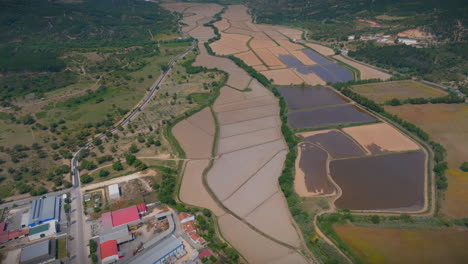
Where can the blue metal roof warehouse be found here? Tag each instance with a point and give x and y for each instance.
(44, 210)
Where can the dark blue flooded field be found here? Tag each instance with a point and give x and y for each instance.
(304, 98)
(344, 114)
(325, 69)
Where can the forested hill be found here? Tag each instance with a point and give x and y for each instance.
(33, 33)
(446, 19)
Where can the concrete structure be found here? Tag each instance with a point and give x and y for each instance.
(184, 218)
(109, 252)
(352, 37)
(119, 234)
(44, 210)
(44, 230)
(166, 251)
(114, 191)
(408, 41)
(42, 252)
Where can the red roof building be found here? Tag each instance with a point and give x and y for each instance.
(185, 217)
(205, 254)
(109, 252)
(125, 216)
(120, 217)
(142, 208)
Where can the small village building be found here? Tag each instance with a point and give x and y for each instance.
(185, 217)
(352, 37)
(408, 41)
(41, 231)
(142, 209)
(42, 252)
(114, 191)
(109, 252)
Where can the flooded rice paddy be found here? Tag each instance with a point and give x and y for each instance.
(337, 144)
(313, 164)
(386, 182)
(343, 114)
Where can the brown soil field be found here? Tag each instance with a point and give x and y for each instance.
(283, 76)
(249, 58)
(289, 45)
(281, 229)
(257, 189)
(269, 58)
(192, 190)
(246, 103)
(202, 33)
(237, 77)
(275, 35)
(321, 49)
(239, 24)
(204, 121)
(381, 92)
(260, 68)
(446, 124)
(278, 51)
(247, 114)
(262, 43)
(233, 143)
(366, 71)
(230, 43)
(302, 57)
(311, 172)
(414, 33)
(381, 137)
(337, 144)
(253, 246)
(236, 13)
(196, 142)
(387, 182)
(310, 78)
(228, 95)
(291, 33)
(222, 25)
(248, 126)
(382, 245)
(227, 174)
(258, 90)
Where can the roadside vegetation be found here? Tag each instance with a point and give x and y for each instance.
(70, 72)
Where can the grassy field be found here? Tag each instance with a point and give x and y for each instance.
(385, 91)
(446, 124)
(381, 245)
(39, 134)
(62, 248)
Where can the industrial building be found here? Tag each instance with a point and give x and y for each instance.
(122, 216)
(109, 252)
(166, 251)
(43, 230)
(42, 252)
(119, 234)
(44, 210)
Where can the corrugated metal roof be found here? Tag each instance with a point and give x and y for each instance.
(155, 254)
(39, 229)
(120, 234)
(35, 251)
(106, 220)
(44, 209)
(114, 191)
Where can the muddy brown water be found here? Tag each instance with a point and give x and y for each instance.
(387, 182)
(303, 98)
(336, 144)
(344, 114)
(313, 163)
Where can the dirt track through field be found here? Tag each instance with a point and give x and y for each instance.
(247, 163)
